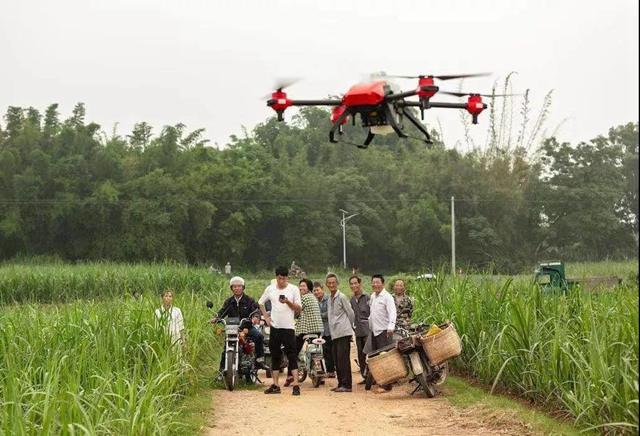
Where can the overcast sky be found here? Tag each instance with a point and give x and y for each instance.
(207, 63)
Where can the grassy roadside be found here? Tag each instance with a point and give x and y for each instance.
(197, 410)
(496, 408)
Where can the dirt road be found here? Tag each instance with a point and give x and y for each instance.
(322, 412)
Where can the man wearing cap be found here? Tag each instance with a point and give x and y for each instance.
(240, 306)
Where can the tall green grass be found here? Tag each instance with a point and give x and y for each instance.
(578, 352)
(65, 282)
(626, 270)
(102, 367)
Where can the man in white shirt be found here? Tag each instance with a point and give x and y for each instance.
(382, 317)
(171, 317)
(285, 303)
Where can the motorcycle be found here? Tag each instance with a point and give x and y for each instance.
(266, 331)
(239, 353)
(312, 362)
(423, 371)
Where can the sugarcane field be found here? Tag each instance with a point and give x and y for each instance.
(319, 218)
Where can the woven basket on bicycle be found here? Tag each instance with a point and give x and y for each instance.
(443, 345)
(387, 367)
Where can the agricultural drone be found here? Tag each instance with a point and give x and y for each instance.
(383, 106)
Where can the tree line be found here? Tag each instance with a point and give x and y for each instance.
(272, 195)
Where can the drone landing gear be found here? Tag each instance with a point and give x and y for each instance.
(368, 140)
(337, 126)
(418, 125)
(392, 121)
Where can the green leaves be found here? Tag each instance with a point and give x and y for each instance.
(577, 352)
(69, 190)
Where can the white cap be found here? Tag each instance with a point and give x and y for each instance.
(236, 281)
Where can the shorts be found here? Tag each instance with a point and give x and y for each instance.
(283, 340)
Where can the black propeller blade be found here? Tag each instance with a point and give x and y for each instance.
(464, 94)
(443, 77)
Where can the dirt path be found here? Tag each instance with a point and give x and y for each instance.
(322, 412)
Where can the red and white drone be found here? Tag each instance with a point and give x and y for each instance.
(383, 107)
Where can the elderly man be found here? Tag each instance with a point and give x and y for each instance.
(404, 305)
(239, 305)
(382, 319)
(341, 318)
(360, 306)
(323, 301)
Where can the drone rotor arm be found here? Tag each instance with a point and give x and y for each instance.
(316, 102)
(444, 104)
(401, 95)
(448, 105)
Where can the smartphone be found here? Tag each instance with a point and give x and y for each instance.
(282, 297)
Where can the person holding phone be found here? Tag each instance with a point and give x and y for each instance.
(285, 303)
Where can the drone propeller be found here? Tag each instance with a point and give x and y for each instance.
(464, 94)
(443, 77)
(282, 83)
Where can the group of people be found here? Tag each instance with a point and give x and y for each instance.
(293, 312)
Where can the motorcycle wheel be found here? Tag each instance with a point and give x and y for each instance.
(427, 387)
(302, 374)
(315, 380)
(230, 377)
(251, 378)
(442, 374)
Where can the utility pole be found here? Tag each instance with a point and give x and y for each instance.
(343, 224)
(453, 236)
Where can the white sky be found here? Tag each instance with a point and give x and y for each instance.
(207, 63)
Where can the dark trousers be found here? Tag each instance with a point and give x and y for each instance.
(283, 340)
(328, 354)
(258, 340)
(362, 357)
(341, 348)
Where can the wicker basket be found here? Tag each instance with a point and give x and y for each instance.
(443, 345)
(387, 367)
